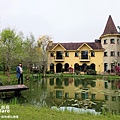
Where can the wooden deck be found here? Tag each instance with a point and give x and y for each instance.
(15, 88)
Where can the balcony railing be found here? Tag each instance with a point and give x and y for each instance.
(59, 59)
(85, 58)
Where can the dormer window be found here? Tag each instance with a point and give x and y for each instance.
(84, 54)
(112, 41)
(59, 55)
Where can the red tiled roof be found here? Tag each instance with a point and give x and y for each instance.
(75, 46)
(110, 27)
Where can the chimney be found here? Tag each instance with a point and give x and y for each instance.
(50, 43)
(97, 41)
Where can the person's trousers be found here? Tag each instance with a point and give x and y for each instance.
(20, 79)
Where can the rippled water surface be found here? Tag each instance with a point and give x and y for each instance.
(95, 95)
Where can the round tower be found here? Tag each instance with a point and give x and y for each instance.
(110, 40)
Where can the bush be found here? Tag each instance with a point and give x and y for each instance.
(108, 71)
(62, 70)
(77, 72)
(112, 70)
(91, 72)
(47, 72)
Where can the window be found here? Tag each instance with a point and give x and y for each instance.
(59, 94)
(66, 54)
(93, 84)
(51, 67)
(113, 98)
(112, 65)
(105, 54)
(66, 95)
(118, 53)
(84, 54)
(118, 41)
(76, 95)
(51, 54)
(59, 55)
(92, 54)
(106, 84)
(105, 41)
(112, 53)
(118, 98)
(112, 41)
(76, 54)
(105, 66)
(84, 95)
(106, 97)
(51, 82)
(93, 96)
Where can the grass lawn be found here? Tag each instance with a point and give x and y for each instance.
(13, 78)
(30, 112)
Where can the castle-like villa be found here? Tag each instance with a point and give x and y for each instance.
(100, 55)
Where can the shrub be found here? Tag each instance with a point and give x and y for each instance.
(77, 72)
(47, 72)
(62, 70)
(108, 71)
(91, 72)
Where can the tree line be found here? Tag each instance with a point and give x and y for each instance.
(16, 48)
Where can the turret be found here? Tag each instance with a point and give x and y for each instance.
(110, 40)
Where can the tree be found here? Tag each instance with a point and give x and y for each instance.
(42, 44)
(9, 42)
(16, 48)
(30, 55)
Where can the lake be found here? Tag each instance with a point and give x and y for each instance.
(97, 95)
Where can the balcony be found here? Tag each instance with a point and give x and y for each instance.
(59, 56)
(59, 59)
(84, 58)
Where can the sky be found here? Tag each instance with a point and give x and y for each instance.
(63, 20)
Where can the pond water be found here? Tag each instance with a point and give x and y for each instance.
(96, 95)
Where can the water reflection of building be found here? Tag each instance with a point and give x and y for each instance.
(71, 91)
(112, 97)
(77, 88)
(64, 92)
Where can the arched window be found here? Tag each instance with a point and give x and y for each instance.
(76, 67)
(58, 67)
(58, 82)
(51, 81)
(51, 67)
(84, 67)
(92, 66)
(66, 81)
(66, 67)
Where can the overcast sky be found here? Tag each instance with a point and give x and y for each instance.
(63, 20)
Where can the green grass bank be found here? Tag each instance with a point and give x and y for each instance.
(30, 112)
(13, 78)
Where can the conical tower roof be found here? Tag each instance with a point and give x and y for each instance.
(110, 27)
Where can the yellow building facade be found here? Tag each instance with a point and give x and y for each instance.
(79, 56)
